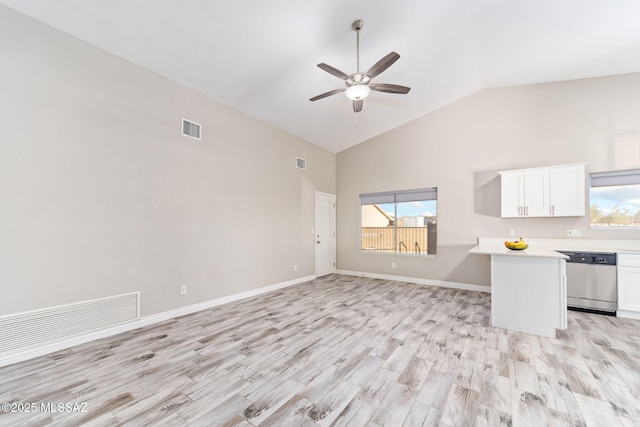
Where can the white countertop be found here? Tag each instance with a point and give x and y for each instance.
(531, 251)
(572, 244)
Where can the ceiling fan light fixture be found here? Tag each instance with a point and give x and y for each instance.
(357, 92)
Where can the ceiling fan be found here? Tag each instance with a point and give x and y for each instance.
(358, 84)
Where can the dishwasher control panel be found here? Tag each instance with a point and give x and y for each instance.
(591, 257)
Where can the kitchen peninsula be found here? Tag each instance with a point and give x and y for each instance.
(528, 288)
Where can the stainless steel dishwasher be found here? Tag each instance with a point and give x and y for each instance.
(592, 282)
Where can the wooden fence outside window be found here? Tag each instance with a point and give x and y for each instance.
(411, 240)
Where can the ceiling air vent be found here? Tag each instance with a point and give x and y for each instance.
(301, 163)
(190, 129)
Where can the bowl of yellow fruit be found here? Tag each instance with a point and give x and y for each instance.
(518, 245)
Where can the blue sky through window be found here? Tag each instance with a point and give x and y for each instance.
(419, 208)
(624, 197)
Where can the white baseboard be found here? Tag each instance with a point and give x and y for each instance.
(16, 356)
(419, 281)
(166, 315)
(628, 314)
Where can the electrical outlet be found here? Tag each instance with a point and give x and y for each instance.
(393, 265)
(183, 290)
(295, 267)
(512, 232)
(575, 232)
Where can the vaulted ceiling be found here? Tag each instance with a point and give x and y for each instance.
(260, 56)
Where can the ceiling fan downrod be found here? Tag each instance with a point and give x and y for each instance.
(357, 26)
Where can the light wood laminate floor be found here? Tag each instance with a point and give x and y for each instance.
(342, 351)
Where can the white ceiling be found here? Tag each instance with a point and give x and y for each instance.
(260, 56)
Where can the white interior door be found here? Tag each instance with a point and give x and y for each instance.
(325, 234)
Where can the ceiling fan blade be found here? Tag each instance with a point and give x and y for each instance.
(357, 105)
(383, 64)
(324, 95)
(331, 70)
(385, 87)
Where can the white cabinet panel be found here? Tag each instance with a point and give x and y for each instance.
(629, 260)
(543, 192)
(629, 288)
(628, 284)
(536, 301)
(567, 191)
(536, 192)
(512, 195)
(525, 193)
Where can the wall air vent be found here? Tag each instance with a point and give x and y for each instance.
(301, 163)
(190, 129)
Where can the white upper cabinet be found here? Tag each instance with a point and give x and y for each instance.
(567, 190)
(544, 192)
(512, 194)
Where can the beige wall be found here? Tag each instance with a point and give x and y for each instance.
(101, 195)
(460, 149)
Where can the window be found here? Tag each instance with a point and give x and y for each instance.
(614, 199)
(399, 222)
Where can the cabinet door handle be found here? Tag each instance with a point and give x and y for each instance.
(520, 210)
(553, 210)
(526, 211)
